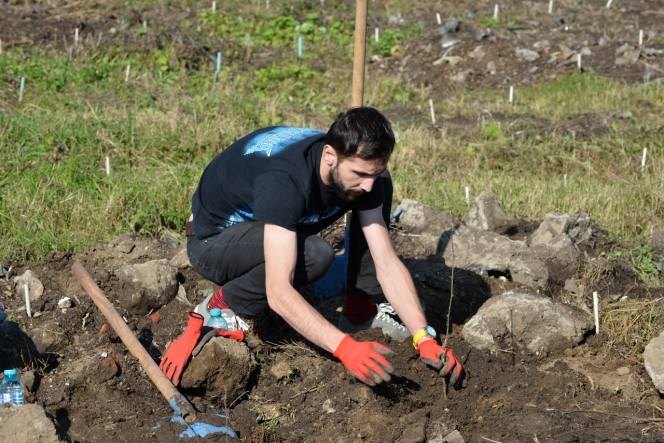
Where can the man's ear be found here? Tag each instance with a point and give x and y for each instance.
(330, 156)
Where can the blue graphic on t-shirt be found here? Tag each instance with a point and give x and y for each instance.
(240, 216)
(277, 139)
(314, 218)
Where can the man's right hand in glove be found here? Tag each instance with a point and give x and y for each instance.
(365, 360)
(178, 353)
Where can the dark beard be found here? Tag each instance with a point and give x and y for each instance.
(338, 188)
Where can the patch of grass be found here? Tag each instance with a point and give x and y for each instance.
(633, 323)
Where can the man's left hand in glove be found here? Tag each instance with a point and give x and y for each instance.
(442, 359)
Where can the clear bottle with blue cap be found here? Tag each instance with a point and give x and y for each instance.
(11, 388)
(216, 320)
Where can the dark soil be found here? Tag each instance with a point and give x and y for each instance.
(96, 391)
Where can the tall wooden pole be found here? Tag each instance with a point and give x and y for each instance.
(359, 55)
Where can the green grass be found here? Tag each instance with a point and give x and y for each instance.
(171, 118)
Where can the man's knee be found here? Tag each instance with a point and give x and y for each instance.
(319, 255)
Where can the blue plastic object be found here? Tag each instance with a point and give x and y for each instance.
(334, 280)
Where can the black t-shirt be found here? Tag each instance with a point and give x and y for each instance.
(270, 175)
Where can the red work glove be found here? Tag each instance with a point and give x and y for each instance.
(179, 351)
(442, 359)
(365, 360)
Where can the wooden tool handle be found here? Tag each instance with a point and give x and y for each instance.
(177, 401)
(359, 52)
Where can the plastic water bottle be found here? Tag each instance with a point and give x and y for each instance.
(216, 320)
(11, 388)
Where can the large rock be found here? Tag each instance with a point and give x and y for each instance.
(576, 226)
(529, 270)
(16, 349)
(560, 248)
(527, 324)
(423, 218)
(35, 289)
(653, 359)
(26, 423)
(487, 214)
(146, 286)
(49, 337)
(181, 260)
(473, 246)
(221, 370)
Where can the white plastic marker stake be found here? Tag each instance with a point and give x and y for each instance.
(578, 61)
(127, 73)
(640, 37)
(643, 160)
(0, 46)
(440, 22)
(267, 4)
(214, 6)
(565, 180)
(377, 35)
(145, 23)
(495, 12)
(27, 300)
(299, 46)
(596, 311)
(218, 63)
(20, 91)
(76, 37)
(511, 94)
(550, 6)
(108, 166)
(608, 4)
(467, 194)
(433, 114)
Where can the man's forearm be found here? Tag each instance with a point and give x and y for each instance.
(306, 320)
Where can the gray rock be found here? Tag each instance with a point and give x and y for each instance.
(461, 77)
(653, 359)
(454, 437)
(542, 45)
(146, 286)
(527, 54)
(473, 246)
(180, 260)
(657, 239)
(440, 30)
(452, 24)
(221, 370)
(35, 289)
(561, 248)
(49, 337)
(629, 57)
(26, 423)
(487, 214)
(529, 270)
(624, 48)
(576, 226)
(491, 68)
(30, 380)
(421, 218)
(414, 425)
(527, 324)
(471, 16)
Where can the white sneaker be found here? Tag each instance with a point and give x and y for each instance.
(381, 320)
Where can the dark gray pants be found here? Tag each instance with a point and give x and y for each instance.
(235, 259)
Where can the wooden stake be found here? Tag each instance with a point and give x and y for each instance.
(495, 12)
(214, 6)
(108, 166)
(376, 35)
(440, 22)
(27, 300)
(76, 37)
(433, 114)
(127, 73)
(550, 6)
(640, 37)
(511, 94)
(643, 160)
(596, 311)
(578, 61)
(467, 194)
(608, 4)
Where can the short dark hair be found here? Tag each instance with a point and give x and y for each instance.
(362, 129)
